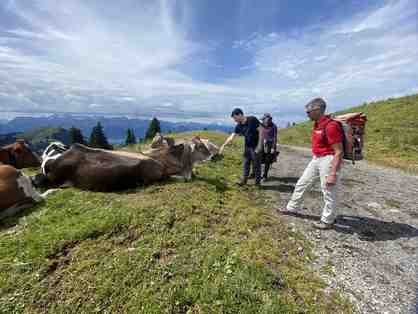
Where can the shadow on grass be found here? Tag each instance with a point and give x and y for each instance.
(367, 228)
(220, 185)
(283, 188)
(284, 179)
(281, 184)
(13, 220)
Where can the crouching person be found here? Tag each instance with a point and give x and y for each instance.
(327, 151)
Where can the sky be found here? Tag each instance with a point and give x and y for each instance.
(200, 59)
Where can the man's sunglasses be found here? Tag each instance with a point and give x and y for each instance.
(308, 112)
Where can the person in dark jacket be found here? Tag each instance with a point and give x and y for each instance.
(249, 127)
(269, 141)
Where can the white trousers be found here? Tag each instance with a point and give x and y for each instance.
(319, 167)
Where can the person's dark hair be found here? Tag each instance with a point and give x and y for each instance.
(237, 112)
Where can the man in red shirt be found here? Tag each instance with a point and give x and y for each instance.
(327, 151)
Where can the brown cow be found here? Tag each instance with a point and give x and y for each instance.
(103, 170)
(16, 191)
(178, 158)
(96, 169)
(19, 155)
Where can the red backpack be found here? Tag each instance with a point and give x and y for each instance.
(353, 126)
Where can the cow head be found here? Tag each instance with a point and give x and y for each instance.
(52, 152)
(19, 155)
(203, 149)
(161, 141)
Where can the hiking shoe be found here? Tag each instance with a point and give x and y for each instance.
(322, 225)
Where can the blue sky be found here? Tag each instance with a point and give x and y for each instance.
(203, 58)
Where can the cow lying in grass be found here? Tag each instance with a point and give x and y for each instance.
(19, 155)
(179, 157)
(16, 191)
(102, 170)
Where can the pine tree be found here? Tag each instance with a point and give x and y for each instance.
(153, 129)
(98, 138)
(133, 136)
(76, 136)
(130, 137)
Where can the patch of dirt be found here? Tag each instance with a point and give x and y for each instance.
(373, 248)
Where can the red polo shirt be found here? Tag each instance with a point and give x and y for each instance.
(321, 143)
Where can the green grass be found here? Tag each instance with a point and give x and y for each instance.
(391, 132)
(204, 246)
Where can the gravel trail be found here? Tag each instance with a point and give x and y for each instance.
(371, 254)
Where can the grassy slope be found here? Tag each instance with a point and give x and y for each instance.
(38, 135)
(391, 132)
(172, 247)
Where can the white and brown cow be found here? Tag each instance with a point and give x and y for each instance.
(103, 170)
(16, 191)
(179, 157)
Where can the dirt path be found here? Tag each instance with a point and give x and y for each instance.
(371, 254)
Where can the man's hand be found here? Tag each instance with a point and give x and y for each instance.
(228, 140)
(331, 180)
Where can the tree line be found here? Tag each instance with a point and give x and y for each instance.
(98, 138)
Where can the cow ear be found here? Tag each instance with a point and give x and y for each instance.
(196, 139)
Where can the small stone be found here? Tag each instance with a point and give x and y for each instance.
(374, 205)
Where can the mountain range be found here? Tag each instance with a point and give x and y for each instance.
(115, 128)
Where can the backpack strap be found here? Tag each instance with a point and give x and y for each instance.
(324, 133)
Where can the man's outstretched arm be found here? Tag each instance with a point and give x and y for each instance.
(228, 140)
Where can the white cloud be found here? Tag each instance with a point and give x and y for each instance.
(79, 54)
(93, 106)
(391, 14)
(376, 56)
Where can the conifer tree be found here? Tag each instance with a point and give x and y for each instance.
(76, 136)
(153, 129)
(98, 138)
(130, 137)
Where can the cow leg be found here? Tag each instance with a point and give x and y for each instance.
(25, 183)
